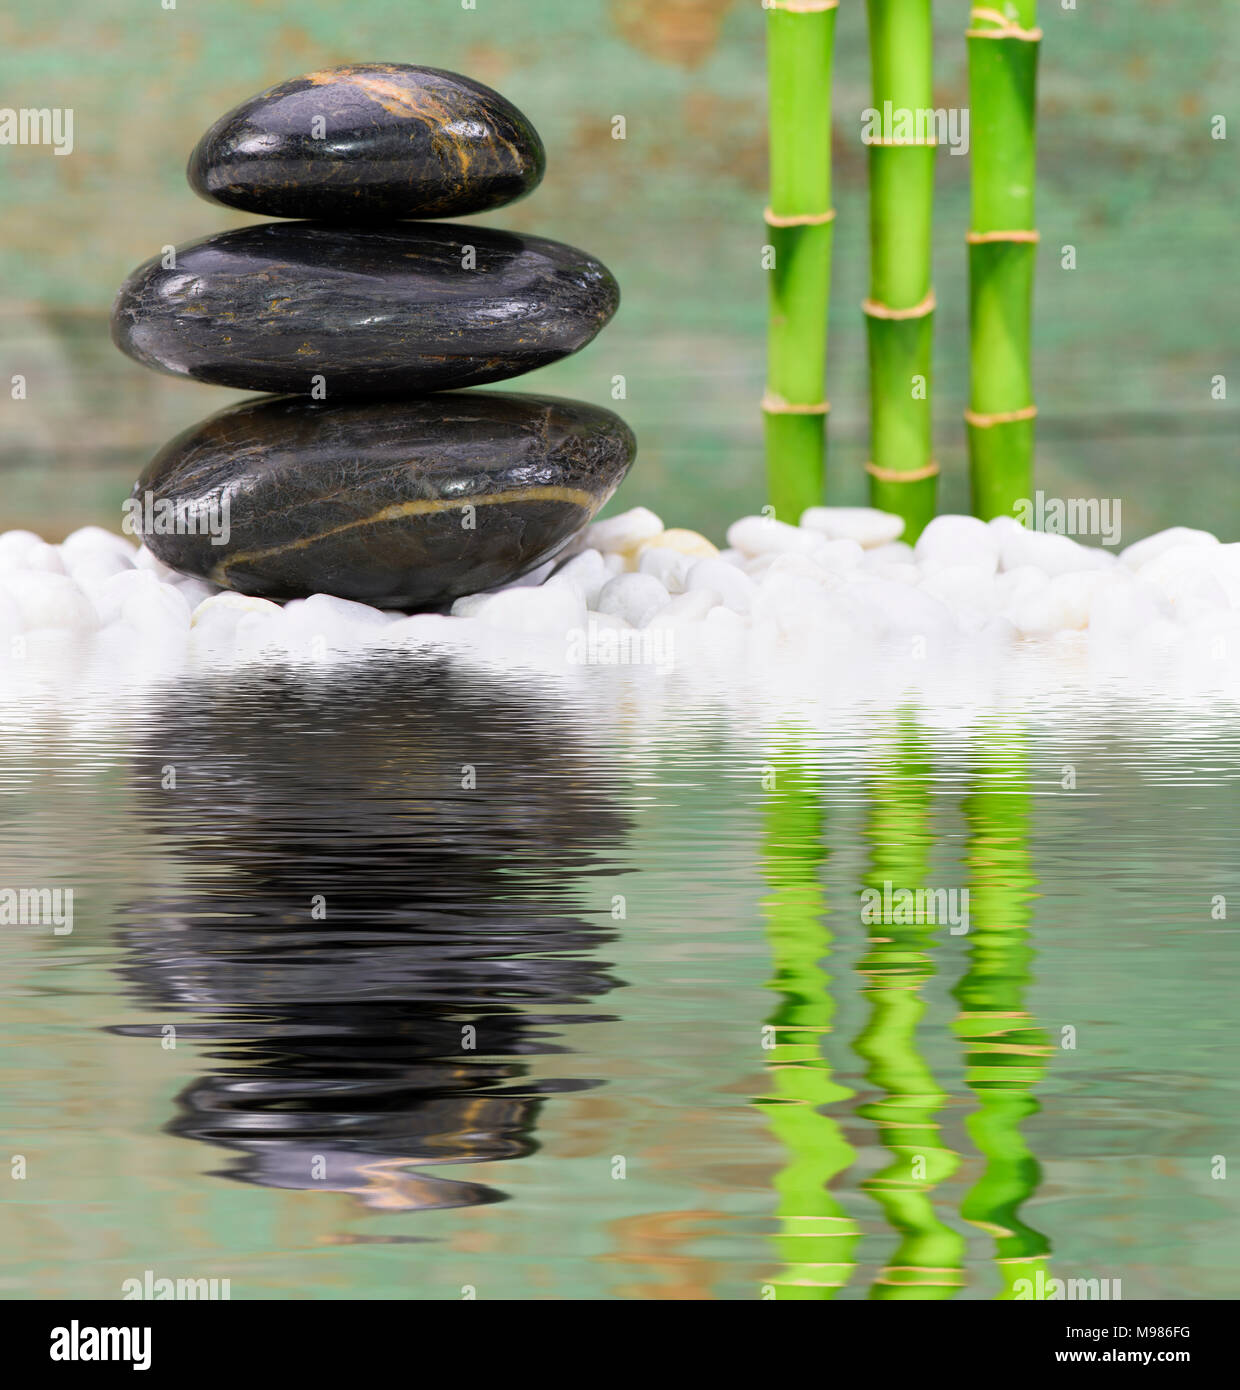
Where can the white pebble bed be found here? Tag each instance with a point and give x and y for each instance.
(836, 592)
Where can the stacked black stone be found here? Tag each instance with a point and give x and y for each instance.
(360, 483)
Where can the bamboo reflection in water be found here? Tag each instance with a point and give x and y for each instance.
(1004, 1047)
(817, 1239)
(928, 1263)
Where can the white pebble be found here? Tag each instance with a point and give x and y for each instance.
(958, 540)
(635, 597)
(216, 622)
(586, 572)
(1063, 605)
(901, 574)
(764, 535)
(867, 526)
(154, 611)
(1225, 567)
(805, 567)
(230, 603)
(470, 605)
(549, 611)
(261, 633)
(1185, 573)
(896, 610)
(1050, 553)
(623, 532)
(734, 586)
(894, 553)
(93, 542)
(1018, 583)
(110, 596)
(1119, 609)
(14, 547)
(46, 600)
(964, 587)
(93, 568)
(196, 590)
(691, 543)
(726, 623)
(670, 567)
(44, 558)
(837, 555)
(1142, 552)
(339, 610)
(685, 608)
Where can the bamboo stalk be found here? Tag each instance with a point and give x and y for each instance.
(1005, 1049)
(1003, 60)
(817, 1238)
(900, 309)
(800, 43)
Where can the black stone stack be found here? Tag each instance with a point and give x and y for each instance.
(358, 483)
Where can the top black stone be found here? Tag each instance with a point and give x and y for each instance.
(370, 140)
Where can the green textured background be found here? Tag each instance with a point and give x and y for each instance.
(1127, 343)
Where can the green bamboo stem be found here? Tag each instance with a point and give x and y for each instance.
(1002, 101)
(1005, 1050)
(901, 220)
(817, 1239)
(800, 44)
(929, 1261)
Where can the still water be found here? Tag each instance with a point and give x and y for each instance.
(398, 983)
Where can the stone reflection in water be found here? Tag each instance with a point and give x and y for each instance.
(366, 942)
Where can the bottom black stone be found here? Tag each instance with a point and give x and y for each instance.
(398, 503)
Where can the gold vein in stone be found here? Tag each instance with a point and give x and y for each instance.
(421, 506)
(395, 98)
(398, 100)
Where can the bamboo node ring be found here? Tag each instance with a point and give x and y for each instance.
(901, 475)
(776, 405)
(800, 6)
(981, 238)
(1002, 417)
(805, 219)
(1004, 28)
(872, 308)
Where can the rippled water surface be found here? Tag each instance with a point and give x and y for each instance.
(401, 984)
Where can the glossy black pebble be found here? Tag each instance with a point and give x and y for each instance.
(404, 307)
(370, 140)
(371, 500)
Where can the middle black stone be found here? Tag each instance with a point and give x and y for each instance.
(401, 307)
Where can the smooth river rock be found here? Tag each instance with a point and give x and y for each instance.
(370, 140)
(403, 504)
(312, 307)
